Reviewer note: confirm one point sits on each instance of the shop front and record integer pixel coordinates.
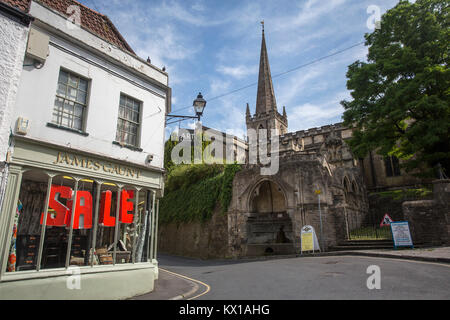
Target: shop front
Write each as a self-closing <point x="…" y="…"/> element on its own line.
<point x="77" y="226"/>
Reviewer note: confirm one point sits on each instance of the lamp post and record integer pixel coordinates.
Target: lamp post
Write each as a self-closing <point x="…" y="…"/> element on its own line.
<point x="199" y="105"/>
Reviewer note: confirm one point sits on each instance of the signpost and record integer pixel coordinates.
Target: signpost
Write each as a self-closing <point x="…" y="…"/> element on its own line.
<point x="309" y="240"/>
<point x="401" y="234"/>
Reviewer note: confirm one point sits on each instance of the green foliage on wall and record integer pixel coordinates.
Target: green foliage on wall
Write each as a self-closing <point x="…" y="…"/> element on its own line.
<point x="194" y="191"/>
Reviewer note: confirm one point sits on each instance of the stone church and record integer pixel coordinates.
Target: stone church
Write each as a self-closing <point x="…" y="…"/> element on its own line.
<point x="267" y="212"/>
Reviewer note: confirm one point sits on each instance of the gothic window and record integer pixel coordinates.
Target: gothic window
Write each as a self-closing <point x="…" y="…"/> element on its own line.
<point x="392" y="166"/>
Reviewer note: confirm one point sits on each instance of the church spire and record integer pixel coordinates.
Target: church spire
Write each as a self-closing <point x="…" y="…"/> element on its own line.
<point x="265" y="100"/>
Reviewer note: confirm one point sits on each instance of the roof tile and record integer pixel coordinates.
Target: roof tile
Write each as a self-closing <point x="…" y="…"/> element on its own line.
<point x="95" y="22"/>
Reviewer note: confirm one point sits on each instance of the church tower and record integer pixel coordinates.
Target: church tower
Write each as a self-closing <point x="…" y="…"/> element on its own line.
<point x="267" y="115"/>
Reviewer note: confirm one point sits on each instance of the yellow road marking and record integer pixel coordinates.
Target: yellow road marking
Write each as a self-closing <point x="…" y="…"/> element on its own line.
<point x="208" y="288"/>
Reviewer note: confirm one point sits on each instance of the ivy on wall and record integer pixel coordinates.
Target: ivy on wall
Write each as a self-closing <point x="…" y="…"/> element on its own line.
<point x="194" y="191"/>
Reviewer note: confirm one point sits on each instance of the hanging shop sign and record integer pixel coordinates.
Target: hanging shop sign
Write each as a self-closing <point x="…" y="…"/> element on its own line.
<point x="309" y="240"/>
<point x="401" y="234"/>
<point x="60" y="215"/>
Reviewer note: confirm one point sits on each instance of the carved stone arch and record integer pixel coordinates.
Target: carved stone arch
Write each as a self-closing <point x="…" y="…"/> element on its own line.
<point x="346" y="184"/>
<point x="262" y="182"/>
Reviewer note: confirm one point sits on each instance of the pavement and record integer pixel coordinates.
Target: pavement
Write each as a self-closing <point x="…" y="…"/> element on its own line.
<point x="174" y="286"/>
<point x="171" y="286"/>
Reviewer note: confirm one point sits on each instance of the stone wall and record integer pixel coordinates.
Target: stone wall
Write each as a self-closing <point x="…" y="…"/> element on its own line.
<point x="206" y="240"/>
<point x="429" y="219"/>
<point x="13" y="39"/>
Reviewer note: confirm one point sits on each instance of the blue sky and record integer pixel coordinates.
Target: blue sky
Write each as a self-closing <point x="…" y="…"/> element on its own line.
<point x="213" y="47"/>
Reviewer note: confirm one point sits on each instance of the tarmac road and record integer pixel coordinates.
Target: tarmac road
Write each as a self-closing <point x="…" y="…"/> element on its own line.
<point x="334" y="277"/>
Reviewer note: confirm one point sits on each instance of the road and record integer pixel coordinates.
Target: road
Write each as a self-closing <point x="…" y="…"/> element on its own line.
<point x="343" y="277"/>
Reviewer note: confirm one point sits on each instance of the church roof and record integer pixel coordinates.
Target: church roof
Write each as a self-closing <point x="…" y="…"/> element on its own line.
<point x="265" y="100"/>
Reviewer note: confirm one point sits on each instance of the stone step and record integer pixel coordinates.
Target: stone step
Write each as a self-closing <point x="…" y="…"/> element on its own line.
<point x="361" y="247"/>
<point x="365" y="242"/>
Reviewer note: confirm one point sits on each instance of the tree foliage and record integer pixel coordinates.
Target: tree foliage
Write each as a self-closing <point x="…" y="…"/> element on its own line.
<point x="401" y="94"/>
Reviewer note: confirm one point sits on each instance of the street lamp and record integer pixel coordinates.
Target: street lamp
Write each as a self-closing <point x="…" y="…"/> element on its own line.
<point x="199" y="106"/>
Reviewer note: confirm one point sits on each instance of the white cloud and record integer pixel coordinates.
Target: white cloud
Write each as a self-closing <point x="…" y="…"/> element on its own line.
<point x="311" y="115"/>
<point x="238" y="72"/>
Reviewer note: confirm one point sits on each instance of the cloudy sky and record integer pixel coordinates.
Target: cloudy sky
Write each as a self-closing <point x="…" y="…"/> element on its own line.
<point x="213" y="47"/>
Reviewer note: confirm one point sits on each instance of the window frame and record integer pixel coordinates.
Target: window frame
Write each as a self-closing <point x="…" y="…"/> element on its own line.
<point x="137" y="146"/>
<point x="85" y="106"/>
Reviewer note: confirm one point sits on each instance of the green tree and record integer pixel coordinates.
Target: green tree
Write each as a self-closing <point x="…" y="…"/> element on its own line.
<point x="401" y="94"/>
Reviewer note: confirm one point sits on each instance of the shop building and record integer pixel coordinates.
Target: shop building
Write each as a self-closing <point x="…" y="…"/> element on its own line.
<point x="85" y="161"/>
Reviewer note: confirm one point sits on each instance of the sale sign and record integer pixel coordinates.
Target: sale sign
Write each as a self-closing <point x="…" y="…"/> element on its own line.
<point x="61" y="215"/>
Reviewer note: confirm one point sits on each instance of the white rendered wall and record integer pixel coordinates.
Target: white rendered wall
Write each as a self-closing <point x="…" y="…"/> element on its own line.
<point x="13" y="38"/>
<point x="37" y="93"/>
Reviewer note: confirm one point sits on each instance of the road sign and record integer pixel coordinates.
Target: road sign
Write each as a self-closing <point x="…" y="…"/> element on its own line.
<point x="309" y="240"/>
<point x="317" y="192"/>
<point x="387" y="220"/>
<point x="401" y="234"/>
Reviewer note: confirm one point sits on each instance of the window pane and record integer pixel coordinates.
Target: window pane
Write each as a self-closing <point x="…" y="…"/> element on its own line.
<point x="103" y="250"/>
<point x="81" y="97"/>
<point x="135" y="117"/>
<point x="59" y="104"/>
<point x="136" y="106"/>
<point x="62" y="89"/>
<point x="72" y="93"/>
<point x="26" y="234"/>
<point x="142" y="228"/>
<point x="83" y="85"/>
<point x="66" y="120"/>
<point x="121" y="112"/>
<point x="79" y="110"/>
<point x="77" y="123"/>
<point x="63" y="77"/>
<point x="73" y="80"/>
<point x="134" y="129"/>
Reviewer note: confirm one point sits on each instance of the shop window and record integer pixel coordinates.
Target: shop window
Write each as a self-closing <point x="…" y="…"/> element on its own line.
<point x="392" y="166"/>
<point x="128" y="124"/>
<point x="26" y="234"/>
<point x="71" y="101"/>
<point x="109" y="225"/>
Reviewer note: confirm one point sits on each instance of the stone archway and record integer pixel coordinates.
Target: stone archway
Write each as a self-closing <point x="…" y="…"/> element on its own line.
<point x="269" y="227"/>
